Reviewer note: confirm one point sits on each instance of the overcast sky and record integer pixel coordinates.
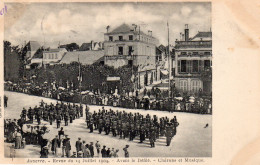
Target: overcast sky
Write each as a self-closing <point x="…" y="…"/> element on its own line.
<point x="83" y="22"/>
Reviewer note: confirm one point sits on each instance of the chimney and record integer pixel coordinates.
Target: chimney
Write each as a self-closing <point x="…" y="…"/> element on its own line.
<point x="92" y="44"/>
<point x="180" y="36"/>
<point x="186" y="32"/>
<point x="108" y="27"/>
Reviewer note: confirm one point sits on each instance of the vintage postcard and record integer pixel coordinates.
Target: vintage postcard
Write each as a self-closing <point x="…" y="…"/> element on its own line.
<point x="125" y="82"/>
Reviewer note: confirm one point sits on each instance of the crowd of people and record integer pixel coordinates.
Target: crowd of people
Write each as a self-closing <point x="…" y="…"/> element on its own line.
<point x="29" y="129"/>
<point x="150" y="100"/>
<point x="60" y="146"/>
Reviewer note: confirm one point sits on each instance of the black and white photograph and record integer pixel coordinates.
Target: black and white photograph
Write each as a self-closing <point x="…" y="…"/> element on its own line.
<point x="107" y="80"/>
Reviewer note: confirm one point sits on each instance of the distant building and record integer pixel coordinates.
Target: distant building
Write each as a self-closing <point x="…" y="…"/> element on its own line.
<point x="84" y="57"/>
<point x="53" y="56"/>
<point x="91" y="46"/>
<point x="193" y="60"/>
<point x="128" y="45"/>
<point x="31" y="48"/>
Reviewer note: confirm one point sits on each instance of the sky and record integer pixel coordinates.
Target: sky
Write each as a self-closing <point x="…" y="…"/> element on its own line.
<point x="54" y="23"/>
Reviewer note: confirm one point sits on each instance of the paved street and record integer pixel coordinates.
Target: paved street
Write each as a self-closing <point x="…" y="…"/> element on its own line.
<point x="192" y="139"/>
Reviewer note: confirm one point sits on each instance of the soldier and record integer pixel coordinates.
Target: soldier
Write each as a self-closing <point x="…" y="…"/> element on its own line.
<point x="60" y="132"/>
<point x="91" y="125"/>
<point x="168" y="134"/>
<point x="152" y="138"/>
<point x="81" y="110"/>
<point x="100" y="125"/>
<point x="51" y="113"/>
<point x="114" y="126"/>
<point x="66" y="118"/>
<point x="58" y="119"/>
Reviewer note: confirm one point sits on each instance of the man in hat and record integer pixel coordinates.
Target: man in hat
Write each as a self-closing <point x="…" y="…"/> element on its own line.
<point x="54" y="145"/>
<point x="91" y="149"/>
<point x="97" y="147"/>
<point x="104" y="152"/>
<point x="67" y="147"/>
<point x="78" y="145"/>
<point x="108" y="153"/>
<point x="126" y="151"/>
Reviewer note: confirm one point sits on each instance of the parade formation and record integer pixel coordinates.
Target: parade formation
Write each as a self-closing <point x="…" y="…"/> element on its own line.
<point x="28" y="129"/>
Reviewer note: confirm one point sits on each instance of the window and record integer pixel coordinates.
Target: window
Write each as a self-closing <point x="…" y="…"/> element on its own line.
<point x="183" y="85"/>
<point x="195" y="66"/>
<point x="130" y="37"/>
<point x="207" y="64"/>
<point x="120" y="50"/>
<point x="207" y="53"/>
<point x="195" y="53"/>
<point x="56" y="56"/>
<point x="183" y="65"/>
<point x="130" y="50"/>
<point x="49" y="56"/>
<point x="110" y="38"/>
<point x="195" y="85"/>
<point x="120" y="38"/>
<point x="183" y="53"/>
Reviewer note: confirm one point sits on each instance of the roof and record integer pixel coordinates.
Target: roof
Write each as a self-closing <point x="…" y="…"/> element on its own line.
<point x="85" y="57"/>
<point x="122" y="29"/>
<point x="203" y="35"/>
<point x="33" y="45"/>
<point x="55" y="50"/>
<point x="85" y="46"/>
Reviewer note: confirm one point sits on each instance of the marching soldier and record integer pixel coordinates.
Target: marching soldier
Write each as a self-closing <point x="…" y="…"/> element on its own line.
<point x="58" y="119"/>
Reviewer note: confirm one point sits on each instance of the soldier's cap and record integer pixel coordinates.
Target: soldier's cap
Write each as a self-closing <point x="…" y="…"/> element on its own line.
<point x="84" y="141"/>
<point x="80" y="152"/>
<point x="117" y="150"/>
<point x="79" y="138"/>
<point x="104" y="146"/>
<point x="68" y="138"/>
<point x="127" y="145"/>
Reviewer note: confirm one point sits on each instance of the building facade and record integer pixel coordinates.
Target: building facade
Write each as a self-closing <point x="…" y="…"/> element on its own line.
<point x="53" y="56"/>
<point x="128" y="45"/>
<point x="193" y="61"/>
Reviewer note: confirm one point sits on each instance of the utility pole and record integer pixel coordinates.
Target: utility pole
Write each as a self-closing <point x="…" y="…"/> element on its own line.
<point x="169" y="62"/>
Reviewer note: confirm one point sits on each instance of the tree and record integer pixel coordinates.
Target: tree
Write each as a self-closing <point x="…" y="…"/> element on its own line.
<point x="72" y="46"/>
<point x="13" y="63"/>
